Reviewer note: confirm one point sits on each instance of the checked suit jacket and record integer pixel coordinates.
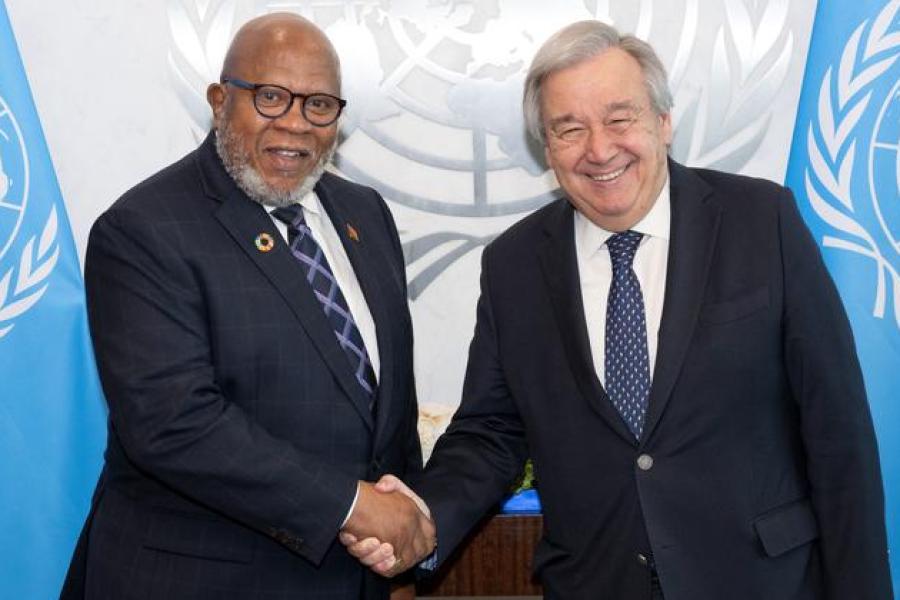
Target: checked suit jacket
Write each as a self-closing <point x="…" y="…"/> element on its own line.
<point x="237" y="431"/>
<point x="757" y="476"/>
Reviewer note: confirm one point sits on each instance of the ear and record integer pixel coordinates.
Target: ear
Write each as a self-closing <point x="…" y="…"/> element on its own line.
<point x="665" y="123"/>
<point x="215" y="96"/>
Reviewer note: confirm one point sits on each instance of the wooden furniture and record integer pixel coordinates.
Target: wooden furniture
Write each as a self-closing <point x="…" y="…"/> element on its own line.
<point x="495" y="561"/>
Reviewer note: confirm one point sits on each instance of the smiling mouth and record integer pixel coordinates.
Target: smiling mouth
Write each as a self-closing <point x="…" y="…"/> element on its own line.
<point x="290" y="154"/>
<point x="604" y="177"/>
<point x="289" y="161"/>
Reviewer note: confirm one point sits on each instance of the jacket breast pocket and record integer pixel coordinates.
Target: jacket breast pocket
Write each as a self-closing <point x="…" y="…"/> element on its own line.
<point x="188" y="535"/>
<point x="787" y="527"/>
<point x="736" y="308"/>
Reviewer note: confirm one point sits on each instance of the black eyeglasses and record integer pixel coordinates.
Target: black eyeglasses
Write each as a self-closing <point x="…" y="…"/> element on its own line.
<point x="273" y="101"/>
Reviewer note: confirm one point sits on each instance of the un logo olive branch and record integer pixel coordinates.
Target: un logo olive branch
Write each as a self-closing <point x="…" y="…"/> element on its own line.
<point x="23" y="284"/>
<point x="723" y="125"/>
<point x="201" y="32"/>
<point x="844" y="97"/>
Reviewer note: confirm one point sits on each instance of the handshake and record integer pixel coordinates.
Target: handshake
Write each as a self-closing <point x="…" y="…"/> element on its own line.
<point x="390" y="529"/>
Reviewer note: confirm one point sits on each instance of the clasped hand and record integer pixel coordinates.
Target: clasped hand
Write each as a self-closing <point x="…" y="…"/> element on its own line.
<point x="390" y="529"/>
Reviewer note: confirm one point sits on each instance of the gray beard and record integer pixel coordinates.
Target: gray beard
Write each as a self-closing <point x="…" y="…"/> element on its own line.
<point x="237" y="165"/>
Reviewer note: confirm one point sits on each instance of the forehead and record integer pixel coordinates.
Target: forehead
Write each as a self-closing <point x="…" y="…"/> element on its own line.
<point x="610" y="80"/>
<point x="302" y="65"/>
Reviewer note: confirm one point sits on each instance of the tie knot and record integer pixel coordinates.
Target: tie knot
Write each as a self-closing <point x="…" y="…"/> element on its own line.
<point x="291" y="215"/>
<point x="622" y="247"/>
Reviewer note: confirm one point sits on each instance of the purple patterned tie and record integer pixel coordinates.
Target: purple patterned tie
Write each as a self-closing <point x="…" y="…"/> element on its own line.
<point x="319" y="275"/>
<point x="627" y="363"/>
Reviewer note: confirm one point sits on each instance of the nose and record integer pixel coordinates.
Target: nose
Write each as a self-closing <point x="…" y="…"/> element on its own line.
<point x="601" y="147"/>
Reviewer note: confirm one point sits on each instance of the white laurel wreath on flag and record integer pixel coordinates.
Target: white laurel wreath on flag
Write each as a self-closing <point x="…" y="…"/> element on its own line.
<point x="35" y="265"/>
<point x="725" y="124"/>
<point x="837" y="147"/>
<point x="201" y="31"/>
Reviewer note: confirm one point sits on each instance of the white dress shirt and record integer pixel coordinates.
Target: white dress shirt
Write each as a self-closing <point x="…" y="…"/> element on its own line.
<point x="650" y="266"/>
<point x="325" y="235"/>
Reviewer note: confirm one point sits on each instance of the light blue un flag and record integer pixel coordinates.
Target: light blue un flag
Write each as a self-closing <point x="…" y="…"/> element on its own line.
<point x="51" y="409"/>
<point x="845" y="170"/>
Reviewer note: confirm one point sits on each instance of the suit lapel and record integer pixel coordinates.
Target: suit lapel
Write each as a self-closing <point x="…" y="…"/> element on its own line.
<point x="369" y="266"/>
<point x="560" y="268"/>
<point x="694" y="230"/>
<point x="244" y="220"/>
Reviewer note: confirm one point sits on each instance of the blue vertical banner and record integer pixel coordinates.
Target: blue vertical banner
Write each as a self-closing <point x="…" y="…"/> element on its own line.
<point x="52" y="417"/>
<point x="845" y="170"/>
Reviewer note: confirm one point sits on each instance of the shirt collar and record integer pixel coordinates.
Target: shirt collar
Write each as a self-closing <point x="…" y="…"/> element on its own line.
<point x="590" y="237"/>
<point x="309" y="202"/>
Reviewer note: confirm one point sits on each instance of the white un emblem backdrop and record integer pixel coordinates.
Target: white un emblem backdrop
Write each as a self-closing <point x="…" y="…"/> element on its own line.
<point x="855" y="136"/>
<point x="435" y="121"/>
<point x="23" y="269"/>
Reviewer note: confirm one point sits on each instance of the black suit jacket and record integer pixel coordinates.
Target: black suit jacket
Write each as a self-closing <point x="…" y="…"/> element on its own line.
<point x="764" y="482"/>
<point x="237" y="430"/>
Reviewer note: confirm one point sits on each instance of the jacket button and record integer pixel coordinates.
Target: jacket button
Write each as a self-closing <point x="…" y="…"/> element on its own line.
<point x="645" y="462"/>
<point x="642" y="559"/>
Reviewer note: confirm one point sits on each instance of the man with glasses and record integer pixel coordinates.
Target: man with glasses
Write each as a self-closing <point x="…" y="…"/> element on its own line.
<point x="250" y="322"/>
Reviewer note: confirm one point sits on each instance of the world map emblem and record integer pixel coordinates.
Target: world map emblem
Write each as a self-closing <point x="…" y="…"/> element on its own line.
<point x="435" y="121"/>
<point x="13" y="177"/>
<point x="24" y="267"/>
<point x="853" y="178"/>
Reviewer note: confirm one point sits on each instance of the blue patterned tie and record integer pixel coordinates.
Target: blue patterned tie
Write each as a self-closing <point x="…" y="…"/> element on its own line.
<point x="627" y="364"/>
<point x="320" y="277"/>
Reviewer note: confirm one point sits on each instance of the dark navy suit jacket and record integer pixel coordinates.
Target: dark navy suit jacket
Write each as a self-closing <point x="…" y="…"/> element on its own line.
<point x="237" y="430"/>
<point x="757" y="476"/>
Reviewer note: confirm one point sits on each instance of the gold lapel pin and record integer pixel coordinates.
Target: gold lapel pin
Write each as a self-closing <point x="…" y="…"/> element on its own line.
<point x="352" y="233"/>
<point x="264" y="242"/>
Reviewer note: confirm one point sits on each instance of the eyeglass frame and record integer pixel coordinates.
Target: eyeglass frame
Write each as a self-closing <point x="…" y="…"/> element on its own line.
<point x="255" y="87"/>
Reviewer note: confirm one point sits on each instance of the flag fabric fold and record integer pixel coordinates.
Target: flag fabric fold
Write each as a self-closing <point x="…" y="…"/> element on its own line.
<point x="52" y="417"/>
<point x="845" y="170"/>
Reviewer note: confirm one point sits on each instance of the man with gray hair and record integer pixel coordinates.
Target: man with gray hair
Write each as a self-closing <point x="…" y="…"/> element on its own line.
<point x="666" y="345"/>
<point x="249" y="316"/>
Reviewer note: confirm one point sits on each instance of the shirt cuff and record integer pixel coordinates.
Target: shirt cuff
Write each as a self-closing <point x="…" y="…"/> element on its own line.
<point x="352" y="506"/>
<point x="430" y="563"/>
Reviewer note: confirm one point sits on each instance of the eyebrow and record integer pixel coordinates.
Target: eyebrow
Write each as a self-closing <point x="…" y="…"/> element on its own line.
<point x="567" y="118"/>
<point x="622" y="105"/>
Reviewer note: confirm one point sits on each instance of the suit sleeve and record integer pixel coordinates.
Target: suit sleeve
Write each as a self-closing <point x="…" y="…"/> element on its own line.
<point x="484" y="448"/>
<point x="839" y="439"/>
<point x="153" y="350"/>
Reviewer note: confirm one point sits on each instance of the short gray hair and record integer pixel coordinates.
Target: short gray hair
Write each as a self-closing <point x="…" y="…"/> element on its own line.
<point x="579" y="42"/>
